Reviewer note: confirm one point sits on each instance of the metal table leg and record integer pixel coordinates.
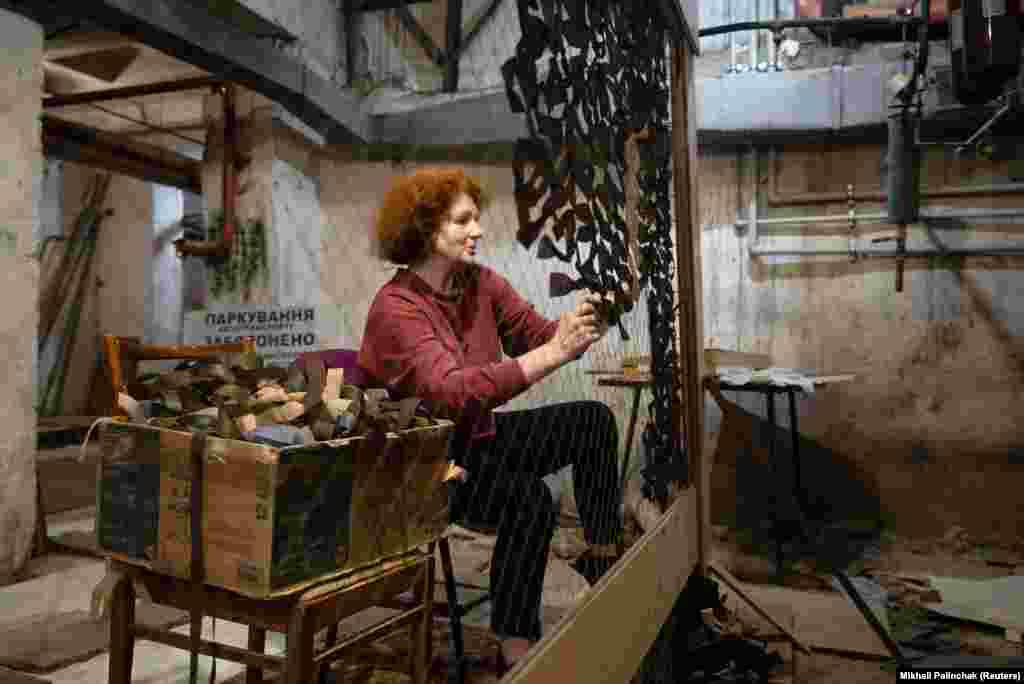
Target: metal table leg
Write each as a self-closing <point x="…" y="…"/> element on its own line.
<point x="770" y="408"/>
<point x="638" y="391"/>
<point x="799" y="494"/>
<point x="802" y="506"/>
<point x="798" y="490"/>
<point x="870" y="617"/>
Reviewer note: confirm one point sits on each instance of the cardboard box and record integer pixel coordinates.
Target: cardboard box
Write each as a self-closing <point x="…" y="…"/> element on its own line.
<point x="273" y="519"/>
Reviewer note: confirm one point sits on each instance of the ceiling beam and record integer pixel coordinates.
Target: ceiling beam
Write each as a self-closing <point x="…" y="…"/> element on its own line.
<point x="191" y="34"/>
<point x="88" y="146"/>
<point x="482" y="118"/>
<point x="130" y="91"/>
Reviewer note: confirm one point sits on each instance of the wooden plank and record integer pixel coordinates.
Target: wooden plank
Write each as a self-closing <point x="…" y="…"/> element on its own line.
<point x="634" y="599"/>
<point x="728" y="357"/>
<point x="210" y="648"/>
<point x="998" y="602"/>
<point x="689" y="290"/>
<point x="737" y="587"/>
<point x="49" y="424"/>
<point x="453" y="46"/>
<point x="623" y="380"/>
<point x="118" y="154"/>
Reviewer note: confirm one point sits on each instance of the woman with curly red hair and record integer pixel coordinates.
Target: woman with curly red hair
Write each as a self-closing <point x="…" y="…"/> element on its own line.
<point x="437" y="330"/>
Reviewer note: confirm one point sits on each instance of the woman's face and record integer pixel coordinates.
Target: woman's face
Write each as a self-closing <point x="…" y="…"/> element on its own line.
<point x="456" y="240"/>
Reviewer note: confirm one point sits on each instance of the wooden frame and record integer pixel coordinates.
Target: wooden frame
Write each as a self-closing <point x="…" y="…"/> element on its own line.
<point x="124" y="353"/>
<point x="637" y="596"/>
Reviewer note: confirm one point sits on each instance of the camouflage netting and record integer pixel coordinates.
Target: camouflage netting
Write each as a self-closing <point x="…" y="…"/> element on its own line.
<point x="588" y="76"/>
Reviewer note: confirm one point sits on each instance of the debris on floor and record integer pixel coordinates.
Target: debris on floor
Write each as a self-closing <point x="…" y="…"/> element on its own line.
<point x="48" y="642"/>
<point x="997" y="602"/>
<point x="826" y="622"/>
<point x="12" y="677"/>
<point x="873" y="594"/>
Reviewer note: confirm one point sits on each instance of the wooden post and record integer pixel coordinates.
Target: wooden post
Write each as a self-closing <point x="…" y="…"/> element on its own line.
<point x="257" y="643"/>
<point x="422" y="628"/>
<point x="349" y="15"/>
<point x="689" y="290"/>
<point x="453" y="46"/>
<point x="299" y="660"/>
<point x="122" y="638"/>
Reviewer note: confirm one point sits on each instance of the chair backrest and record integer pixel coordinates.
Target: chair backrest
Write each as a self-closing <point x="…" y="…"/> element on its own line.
<point x="348" y="359"/>
<point x="124" y="353"/>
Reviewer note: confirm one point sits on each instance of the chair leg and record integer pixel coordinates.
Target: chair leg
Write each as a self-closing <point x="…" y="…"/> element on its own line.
<point x="298" y="667"/>
<point x="422" y="630"/>
<point x="257" y="644"/>
<point x="122" y="638"/>
<point x="331" y="640"/>
<point x="454" y="610"/>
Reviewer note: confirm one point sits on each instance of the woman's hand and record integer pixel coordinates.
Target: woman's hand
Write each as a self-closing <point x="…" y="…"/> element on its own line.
<point x="580" y="328"/>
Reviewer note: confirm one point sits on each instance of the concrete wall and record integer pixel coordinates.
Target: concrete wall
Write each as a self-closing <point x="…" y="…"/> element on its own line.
<point x="933" y="421"/>
<point x="21" y="165"/>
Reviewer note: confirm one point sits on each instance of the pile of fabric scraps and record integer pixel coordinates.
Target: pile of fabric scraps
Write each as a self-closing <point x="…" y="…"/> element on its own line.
<point x="237" y="397"/>
<point x="779" y="377"/>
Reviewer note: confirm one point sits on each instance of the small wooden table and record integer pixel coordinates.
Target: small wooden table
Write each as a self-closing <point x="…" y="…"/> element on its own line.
<point x="770" y="391"/>
<point x="636" y="382"/>
<point x="302" y="613"/>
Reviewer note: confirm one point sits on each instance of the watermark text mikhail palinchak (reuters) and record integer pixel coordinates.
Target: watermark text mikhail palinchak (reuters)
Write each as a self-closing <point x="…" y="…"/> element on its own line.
<point x="1014" y="675"/>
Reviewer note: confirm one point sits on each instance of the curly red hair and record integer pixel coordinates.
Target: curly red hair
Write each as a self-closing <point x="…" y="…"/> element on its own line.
<point x="414" y="208"/>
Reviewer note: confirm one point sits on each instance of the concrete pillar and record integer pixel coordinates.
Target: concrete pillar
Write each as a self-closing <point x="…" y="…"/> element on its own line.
<point x="165" y="288"/>
<point x="21" y="76"/>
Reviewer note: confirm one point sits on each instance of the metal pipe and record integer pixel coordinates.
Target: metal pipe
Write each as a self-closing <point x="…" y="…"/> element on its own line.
<point x="733" y="47"/>
<point x="982" y="249"/>
<point x="984" y="127"/>
<point x="922" y="49"/>
<point x="808" y="23"/>
<point x="883" y="218"/>
<point x="754" y="190"/>
<point x="229" y="181"/>
<point x="131" y="91"/>
<point x="755" y="36"/>
<point x="831" y="218"/>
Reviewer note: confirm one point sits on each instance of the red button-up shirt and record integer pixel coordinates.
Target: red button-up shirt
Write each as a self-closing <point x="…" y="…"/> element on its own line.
<point x="448" y="349"/>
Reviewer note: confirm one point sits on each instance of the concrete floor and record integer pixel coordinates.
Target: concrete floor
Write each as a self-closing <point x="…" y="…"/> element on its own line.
<point x="60" y="583"/>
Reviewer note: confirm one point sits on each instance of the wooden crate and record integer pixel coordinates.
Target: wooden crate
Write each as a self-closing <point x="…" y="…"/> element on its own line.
<point x="273" y="519"/>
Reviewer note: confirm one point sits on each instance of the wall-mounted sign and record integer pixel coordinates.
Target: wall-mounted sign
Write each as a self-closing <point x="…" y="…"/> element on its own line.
<point x="281" y="332"/>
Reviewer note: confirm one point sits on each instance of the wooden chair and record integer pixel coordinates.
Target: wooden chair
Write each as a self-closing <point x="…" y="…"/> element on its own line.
<point x="451" y="609"/>
<point x="301" y="613"/>
<point x="124" y="353"/>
